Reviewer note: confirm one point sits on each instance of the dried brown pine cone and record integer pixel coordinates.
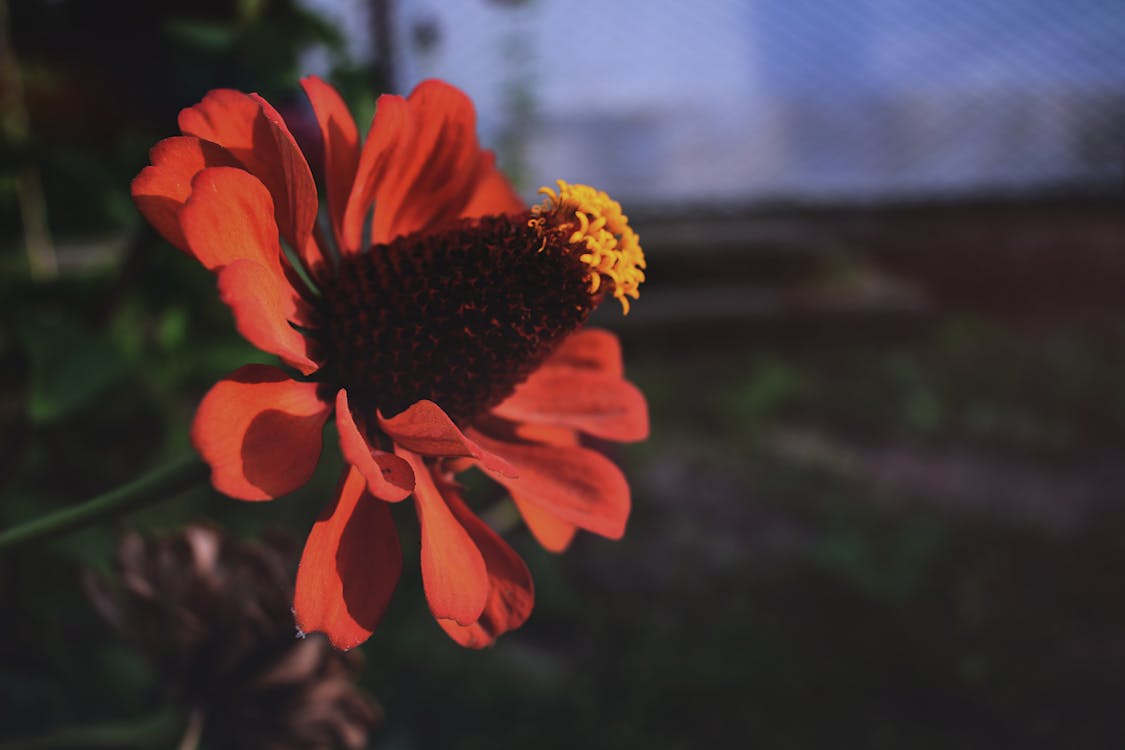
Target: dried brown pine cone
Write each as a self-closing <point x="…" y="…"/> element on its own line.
<point x="213" y="616"/>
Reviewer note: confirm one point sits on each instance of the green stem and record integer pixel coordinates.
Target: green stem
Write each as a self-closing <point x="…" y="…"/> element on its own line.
<point x="192" y="733"/>
<point x="502" y="516"/>
<point x="157" y="485"/>
<point x="155" y="731"/>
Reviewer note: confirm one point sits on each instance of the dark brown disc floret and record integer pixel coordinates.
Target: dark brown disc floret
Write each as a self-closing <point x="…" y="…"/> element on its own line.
<point x="459" y="317"/>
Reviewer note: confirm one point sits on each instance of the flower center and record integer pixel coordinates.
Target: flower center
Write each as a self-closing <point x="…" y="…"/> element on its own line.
<point x="462" y="316"/>
<point x="613" y="249"/>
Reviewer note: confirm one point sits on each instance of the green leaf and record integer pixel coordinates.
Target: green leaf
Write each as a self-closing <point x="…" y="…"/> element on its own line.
<point x="70" y="366"/>
<point x="203" y="36"/>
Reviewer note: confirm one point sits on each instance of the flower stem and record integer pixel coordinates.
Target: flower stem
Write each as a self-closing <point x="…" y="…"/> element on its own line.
<point x="192" y="733"/>
<point x="157" y="485"/>
<point x="502" y="516"/>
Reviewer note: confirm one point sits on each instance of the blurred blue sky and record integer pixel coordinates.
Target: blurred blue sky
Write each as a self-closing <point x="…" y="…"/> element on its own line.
<point x="735" y="100"/>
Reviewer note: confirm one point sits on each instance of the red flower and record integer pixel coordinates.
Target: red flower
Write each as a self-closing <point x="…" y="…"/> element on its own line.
<point x="447" y="337"/>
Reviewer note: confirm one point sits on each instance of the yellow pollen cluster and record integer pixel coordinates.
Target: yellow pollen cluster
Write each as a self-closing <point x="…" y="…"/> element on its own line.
<point x="612" y="247"/>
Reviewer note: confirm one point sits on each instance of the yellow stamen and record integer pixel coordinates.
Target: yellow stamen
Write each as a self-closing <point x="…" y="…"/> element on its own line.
<point x="612" y="247"/>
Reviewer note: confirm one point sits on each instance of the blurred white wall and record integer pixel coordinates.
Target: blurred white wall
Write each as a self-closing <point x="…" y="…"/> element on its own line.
<point x="732" y="100"/>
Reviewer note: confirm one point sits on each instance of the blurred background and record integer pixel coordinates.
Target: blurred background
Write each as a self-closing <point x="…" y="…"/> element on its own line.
<point x="883" y="342"/>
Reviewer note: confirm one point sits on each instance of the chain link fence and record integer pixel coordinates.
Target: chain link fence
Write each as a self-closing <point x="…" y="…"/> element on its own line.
<point x="735" y="101"/>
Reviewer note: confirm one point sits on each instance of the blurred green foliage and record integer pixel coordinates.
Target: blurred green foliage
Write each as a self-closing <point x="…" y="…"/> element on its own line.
<point x="108" y="336"/>
<point x="97" y="84"/>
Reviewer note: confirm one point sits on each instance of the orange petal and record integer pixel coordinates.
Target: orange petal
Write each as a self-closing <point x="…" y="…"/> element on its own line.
<point x="590" y="349"/>
<point x="341" y="147"/>
<point x="260" y="432"/>
<point x="388" y="476"/>
<point x="420" y="165"/>
<point x="493" y="194"/>
<point x="255" y="134"/>
<point x="536" y="432"/>
<point x="229" y="217"/>
<point x="263" y="307"/>
<point x="160" y="189"/>
<point x="453" y="570"/>
<point x="548" y="529"/>
<point x="431" y="176"/>
<point x="350" y="566"/>
<point x="605" y="407"/>
<point x="575" y="484"/>
<point x="425" y="428"/>
<point x="511" y="595"/>
<point x="389" y="129"/>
